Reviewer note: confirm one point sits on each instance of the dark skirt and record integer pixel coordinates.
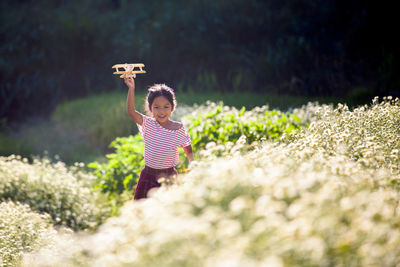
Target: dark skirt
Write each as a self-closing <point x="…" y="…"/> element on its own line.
<point x="149" y="179"/>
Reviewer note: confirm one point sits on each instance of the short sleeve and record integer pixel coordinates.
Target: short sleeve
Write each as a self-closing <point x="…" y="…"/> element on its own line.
<point x="185" y="138"/>
<point x="142" y="128"/>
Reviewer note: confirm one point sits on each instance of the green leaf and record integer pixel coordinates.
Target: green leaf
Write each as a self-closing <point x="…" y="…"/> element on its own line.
<point x="242" y="111"/>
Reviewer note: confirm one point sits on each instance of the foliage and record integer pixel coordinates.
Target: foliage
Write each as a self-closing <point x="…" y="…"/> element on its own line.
<point x="10" y="145"/>
<point x="62" y="192"/>
<point x="57" y="50"/>
<point x="249" y="100"/>
<point x="222" y="124"/>
<point x="305" y="201"/>
<point x="21" y="231"/>
<point x="120" y="173"/>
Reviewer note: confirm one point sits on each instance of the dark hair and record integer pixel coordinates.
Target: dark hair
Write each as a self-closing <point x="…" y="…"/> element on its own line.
<point x="160" y="90"/>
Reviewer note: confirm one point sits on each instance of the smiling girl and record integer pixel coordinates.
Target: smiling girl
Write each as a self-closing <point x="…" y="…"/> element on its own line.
<point x="161" y="136"/>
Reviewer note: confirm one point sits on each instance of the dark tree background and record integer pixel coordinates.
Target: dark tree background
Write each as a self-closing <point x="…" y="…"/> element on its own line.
<point x="51" y="51"/>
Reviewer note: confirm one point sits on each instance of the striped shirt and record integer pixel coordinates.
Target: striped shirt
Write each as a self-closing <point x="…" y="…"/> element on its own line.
<point x="161" y="144"/>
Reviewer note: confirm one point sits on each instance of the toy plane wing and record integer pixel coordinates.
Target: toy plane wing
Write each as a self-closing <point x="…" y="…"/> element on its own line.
<point x="128" y="70"/>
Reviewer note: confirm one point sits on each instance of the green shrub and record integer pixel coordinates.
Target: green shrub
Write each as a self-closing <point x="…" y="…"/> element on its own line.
<point x="120" y="173"/>
<point x="222" y="124"/>
<point x="21" y="231"/>
<point x="63" y="192"/>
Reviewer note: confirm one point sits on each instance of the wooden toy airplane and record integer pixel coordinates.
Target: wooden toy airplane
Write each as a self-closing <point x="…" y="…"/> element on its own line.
<point x="129" y="69"/>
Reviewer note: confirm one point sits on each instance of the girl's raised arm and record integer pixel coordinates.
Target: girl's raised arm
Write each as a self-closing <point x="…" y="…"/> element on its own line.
<point x="130" y="102"/>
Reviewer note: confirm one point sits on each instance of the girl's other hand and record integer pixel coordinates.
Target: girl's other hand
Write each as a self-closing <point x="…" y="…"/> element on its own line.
<point x="130" y="82"/>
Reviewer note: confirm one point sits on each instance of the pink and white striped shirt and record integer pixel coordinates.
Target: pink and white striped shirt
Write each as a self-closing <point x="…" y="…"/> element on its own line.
<point x="161" y="144"/>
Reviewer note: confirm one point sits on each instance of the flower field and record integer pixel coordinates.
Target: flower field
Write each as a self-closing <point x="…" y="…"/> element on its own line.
<point x="323" y="195"/>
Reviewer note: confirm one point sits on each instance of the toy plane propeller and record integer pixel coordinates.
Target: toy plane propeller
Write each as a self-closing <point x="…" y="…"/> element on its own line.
<point x="129" y="70"/>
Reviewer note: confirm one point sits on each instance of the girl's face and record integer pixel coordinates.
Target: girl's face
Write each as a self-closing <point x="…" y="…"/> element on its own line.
<point x="161" y="109"/>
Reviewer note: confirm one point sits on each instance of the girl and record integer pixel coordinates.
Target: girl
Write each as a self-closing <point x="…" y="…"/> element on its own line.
<point x="161" y="136"/>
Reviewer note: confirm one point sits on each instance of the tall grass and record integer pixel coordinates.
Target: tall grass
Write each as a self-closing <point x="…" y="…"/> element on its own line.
<point x="102" y="117"/>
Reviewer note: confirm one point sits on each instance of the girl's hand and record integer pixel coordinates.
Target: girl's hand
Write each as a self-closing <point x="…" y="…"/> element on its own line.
<point x="130" y="82"/>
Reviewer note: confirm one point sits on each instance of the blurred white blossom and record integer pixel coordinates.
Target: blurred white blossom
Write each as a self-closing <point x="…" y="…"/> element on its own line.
<point x="324" y="196"/>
